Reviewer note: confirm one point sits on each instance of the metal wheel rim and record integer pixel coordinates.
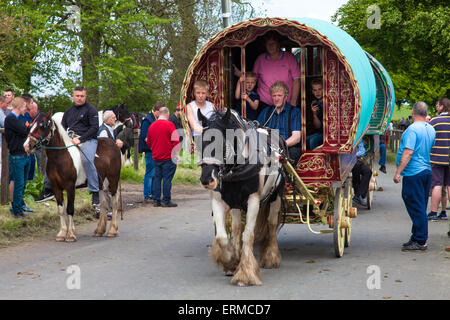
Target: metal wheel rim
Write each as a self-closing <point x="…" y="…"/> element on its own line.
<point x="339" y="233"/>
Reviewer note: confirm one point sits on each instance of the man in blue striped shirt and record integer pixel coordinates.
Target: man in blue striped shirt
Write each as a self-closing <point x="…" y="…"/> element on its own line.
<point x="439" y="158"/>
<point x="285" y="118"/>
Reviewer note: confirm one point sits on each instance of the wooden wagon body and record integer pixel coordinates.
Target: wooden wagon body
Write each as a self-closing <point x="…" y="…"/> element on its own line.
<point x="379" y="121"/>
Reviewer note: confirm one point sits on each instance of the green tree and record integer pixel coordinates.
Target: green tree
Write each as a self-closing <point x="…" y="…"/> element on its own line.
<point x="192" y="23"/>
<point x="103" y="36"/>
<point x="16" y="60"/>
<point x="412" y="42"/>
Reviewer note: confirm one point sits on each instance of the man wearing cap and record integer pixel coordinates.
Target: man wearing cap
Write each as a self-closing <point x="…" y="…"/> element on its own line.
<point x="175" y="117"/>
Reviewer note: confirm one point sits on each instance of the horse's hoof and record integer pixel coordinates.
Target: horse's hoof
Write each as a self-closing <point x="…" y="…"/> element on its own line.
<point x="229" y="273"/>
<point x="97" y="234"/>
<point x="112" y="234"/>
<point x="241" y="284"/>
<point x="71" y="239"/>
<point x="60" y="239"/>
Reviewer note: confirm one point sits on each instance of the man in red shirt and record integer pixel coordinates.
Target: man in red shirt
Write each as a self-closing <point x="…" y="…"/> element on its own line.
<point x="164" y="141"/>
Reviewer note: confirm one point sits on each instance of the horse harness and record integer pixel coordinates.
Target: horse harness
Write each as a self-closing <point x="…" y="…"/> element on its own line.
<point x="241" y="172"/>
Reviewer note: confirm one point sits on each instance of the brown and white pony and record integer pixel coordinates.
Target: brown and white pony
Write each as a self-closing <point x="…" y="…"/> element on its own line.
<point x="65" y="172"/>
<point x="239" y="181"/>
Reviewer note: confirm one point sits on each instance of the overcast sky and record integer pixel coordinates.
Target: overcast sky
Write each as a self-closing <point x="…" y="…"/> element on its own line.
<point x="319" y="9"/>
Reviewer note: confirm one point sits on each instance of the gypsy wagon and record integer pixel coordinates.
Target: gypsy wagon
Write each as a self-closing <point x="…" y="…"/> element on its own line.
<point x="319" y="190"/>
<point x="380" y="119"/>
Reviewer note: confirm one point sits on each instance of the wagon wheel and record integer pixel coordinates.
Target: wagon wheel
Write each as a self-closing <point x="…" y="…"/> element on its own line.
<point x="338" y="213"/>
<point x="370" y="191"/>
<point x="348" y="198"/>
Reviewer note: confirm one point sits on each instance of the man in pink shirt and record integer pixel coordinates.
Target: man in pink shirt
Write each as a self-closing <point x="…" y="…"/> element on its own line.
<point x="164" y="142"/>
<point x="276" y="65"/>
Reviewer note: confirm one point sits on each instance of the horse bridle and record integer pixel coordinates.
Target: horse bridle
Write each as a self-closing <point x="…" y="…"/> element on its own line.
<point x="39" y="139"/>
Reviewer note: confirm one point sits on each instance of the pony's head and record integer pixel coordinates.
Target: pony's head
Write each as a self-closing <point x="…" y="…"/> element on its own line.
<point x="40" y="133"/>
<point x="123" y="115"/>
<point x="218" y="145"/>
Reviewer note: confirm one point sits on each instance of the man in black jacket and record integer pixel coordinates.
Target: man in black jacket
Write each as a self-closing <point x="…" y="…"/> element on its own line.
<point x="81" y="119"/>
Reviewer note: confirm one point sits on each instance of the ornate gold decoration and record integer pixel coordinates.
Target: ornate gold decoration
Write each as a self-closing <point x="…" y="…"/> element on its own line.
<point x="316" y="164"/>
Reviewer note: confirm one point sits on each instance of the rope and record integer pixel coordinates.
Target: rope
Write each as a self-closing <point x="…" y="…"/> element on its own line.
<point x="120" y="199"/>
<point x="57" y="148"/>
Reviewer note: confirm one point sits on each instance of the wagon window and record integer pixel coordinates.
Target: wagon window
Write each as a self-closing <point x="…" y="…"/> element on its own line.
<point x="313" y="73"/>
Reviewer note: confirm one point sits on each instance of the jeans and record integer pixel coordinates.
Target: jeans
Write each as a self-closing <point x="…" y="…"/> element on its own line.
<point x="148" y="178"/>
<point x="164" y="171"/>
<point x="314" y="140"/>
<point x="88" y="150"/>
<point x="382" y="161"/>
<point x="415" y="191"/>
<point x="19" y="166"/>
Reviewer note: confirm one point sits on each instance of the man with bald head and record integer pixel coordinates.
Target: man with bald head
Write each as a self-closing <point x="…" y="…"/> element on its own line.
<point x="413" y="163"/>
<point x="164" y="142"/>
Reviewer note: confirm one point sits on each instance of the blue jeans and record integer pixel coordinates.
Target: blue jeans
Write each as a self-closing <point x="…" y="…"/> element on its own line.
<point x="148" y="178"/>
<point x="382" y="161"/>
<point x="89" y="148"/>
<point x="19" y="167"/>
<point x="415" y="192"/>
<point x="164" y="171"/>
<point x="314" y="140"/>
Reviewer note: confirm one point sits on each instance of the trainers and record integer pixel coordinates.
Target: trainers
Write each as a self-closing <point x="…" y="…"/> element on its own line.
<point x="407" y="243"/>
<point x="414" y="246"/>
<point x="157" y="203"/>
<point x="362" y="201"/>
<point x="27" y="208"/>
<point x="169" y="204"/>
<point x="442" y="216"/>
<point x="356" y="199"/>
<point x="95" y="199"/>
<point x="383" y="169"/>
<point x="432" y="216"/>
<point x="148" y="199"/>
<point x="47" y="194"/>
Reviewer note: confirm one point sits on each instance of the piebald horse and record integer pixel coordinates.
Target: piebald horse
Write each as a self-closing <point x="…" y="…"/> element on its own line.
<point x="65" y="172"/>
<point x="237" y="181"/>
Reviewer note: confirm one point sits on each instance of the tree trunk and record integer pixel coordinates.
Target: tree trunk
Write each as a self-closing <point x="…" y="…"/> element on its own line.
<point x="91" y="38"/>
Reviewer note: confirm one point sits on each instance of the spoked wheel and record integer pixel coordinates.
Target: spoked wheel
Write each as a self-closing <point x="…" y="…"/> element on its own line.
<point x="338" y="213"/>
<point x="371" y="189"/>
<point x="348" y="211"/>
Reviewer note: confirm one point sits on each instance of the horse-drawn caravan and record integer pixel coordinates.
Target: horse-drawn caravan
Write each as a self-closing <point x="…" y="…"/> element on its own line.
<point x="318" y="189"/>
<point x="379" y="121"/>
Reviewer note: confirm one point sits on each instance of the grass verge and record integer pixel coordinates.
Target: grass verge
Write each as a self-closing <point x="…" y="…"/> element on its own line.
<point x="45" y="221"/>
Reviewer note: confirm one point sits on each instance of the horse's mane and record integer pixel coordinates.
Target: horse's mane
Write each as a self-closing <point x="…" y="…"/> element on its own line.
<point x="57" y="119"/>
